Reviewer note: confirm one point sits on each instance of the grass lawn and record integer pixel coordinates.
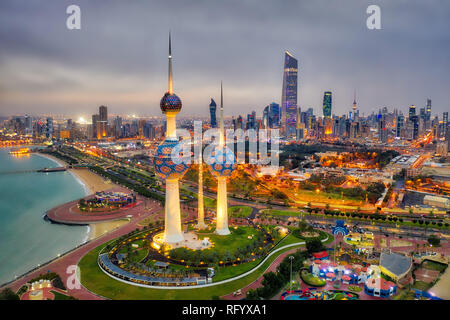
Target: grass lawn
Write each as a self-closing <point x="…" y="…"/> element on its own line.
<point x="98" y="282"/>
<point x="274" y="212"/>
<point x="239" y="211"/>
<point x="208" y="202"/>
<point x="223" y="273"/>
<point x="420" y="285"/>
<point x="60" y="296"/>
<point x="237" y="238"/>
<point x="405" y="294"/>
<point x="432" y="265"/>
<point x="311" y="279"/>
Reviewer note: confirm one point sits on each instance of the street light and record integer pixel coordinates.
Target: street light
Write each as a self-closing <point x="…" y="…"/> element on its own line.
<point x="291" y="258"/>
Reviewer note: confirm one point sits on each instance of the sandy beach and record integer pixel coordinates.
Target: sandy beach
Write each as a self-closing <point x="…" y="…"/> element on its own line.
<point x="92" y="182"/>
<point x="101" y="228"/>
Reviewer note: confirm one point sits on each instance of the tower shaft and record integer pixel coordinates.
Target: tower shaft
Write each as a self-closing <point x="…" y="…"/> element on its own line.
<point x="222" y="207"/>
<point x="201" y="209"/>
<point x="172" y="225"/>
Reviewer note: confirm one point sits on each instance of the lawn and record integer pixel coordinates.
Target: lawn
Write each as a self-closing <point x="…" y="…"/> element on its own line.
<point x="60" y="296"/>
<point x="208" y="202"/>
<point x="96" y="281"/>
<point x="239" y="211"/>
<point x="420" y="285"/>
<point x="311" y="279"/>
<point x="223" y="273"/>
<point x="237" y="238"/>
<point x="432" y="265"/>
<point x="274" y="212"/>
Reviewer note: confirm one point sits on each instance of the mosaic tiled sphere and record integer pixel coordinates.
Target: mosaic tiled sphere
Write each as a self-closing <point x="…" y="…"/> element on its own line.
<point x="170" y="103"/>
<point x="169" y="166"/>
<point x="221" y="162"/>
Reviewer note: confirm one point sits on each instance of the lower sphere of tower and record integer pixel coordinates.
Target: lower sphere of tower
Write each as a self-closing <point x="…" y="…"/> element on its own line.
<point x="168" y="161"/>
<point x="221" y="162"/>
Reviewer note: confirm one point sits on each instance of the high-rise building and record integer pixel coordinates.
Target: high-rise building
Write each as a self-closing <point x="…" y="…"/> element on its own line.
<point x="265" y="120"/>
<point x="49" y="128"/>
<point x="327" y="104"/>
<point x="102" y="123"/>
<point x="399" y="125"/>
<point x="212" y="111"/>
<point x="428" y="112"/>
<point x="382" y="130"/>
<point x="412" y="111"/>
<point x="274" y="115"/>
<point x="117" y="127"/>
<point x="95" y="119"/>
<point x="289" y="95"/>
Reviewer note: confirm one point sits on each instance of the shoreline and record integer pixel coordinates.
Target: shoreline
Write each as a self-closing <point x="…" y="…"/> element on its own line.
<point x="62" y="163"/>
<point x="91" y="183"/>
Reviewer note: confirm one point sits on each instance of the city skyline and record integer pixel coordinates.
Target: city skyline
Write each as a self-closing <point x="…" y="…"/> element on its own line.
<point x="50" y="69"/>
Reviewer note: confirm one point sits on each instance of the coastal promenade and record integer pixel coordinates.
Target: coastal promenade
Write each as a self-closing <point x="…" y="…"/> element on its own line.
<point x="61" y="264"/>
<point x="70" y="214"/>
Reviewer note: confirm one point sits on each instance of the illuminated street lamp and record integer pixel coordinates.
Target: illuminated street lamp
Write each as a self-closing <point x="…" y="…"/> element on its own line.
<point x="291" y="258"/>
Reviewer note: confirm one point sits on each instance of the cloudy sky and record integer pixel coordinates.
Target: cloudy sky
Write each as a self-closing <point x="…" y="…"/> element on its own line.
<point x="119" y="57"/>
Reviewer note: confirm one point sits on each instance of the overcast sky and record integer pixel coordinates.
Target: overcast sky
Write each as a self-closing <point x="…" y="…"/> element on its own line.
<point x="119" y="57"/>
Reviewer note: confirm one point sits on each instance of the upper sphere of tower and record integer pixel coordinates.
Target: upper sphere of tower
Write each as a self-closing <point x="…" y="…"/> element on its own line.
<point x="170" y="103"/>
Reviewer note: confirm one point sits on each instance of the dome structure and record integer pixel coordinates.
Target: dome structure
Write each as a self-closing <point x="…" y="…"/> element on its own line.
<point x="221" y="162"/>
<point x="170" y="102"/>
<point x="168" y="160"/>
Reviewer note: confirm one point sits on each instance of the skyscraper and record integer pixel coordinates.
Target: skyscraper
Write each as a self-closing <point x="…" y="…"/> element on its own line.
<point x="95" y="119"/>
<point x="412" y="111"/>
<point x="274" y="115"/>
<point x="49" y="128"/>
<point x="428" y="112"/>
<point x="265" y="120"/>
<point x="399" y="125"/>
<point x="212" y="110"/>
<point x="327" y="104"/>
<point x="102" y="124"/>
<point x="289" y="95"/>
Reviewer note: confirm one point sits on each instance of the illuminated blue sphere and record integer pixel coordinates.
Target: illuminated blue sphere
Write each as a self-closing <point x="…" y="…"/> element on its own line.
<point x="169" y="166"/>
<point x="221" y="162"/>
<point x="170" y="103"/>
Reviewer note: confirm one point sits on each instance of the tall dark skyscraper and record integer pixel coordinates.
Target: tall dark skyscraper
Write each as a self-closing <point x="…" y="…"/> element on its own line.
<point x="412" y="111"/>
<point x="274" y="115"/>
<point x="102" y="123"/>
<point x="95" y="119"/>
<point x="399" y="125"/>
<point x="327" y="104"/>
<point x="212" y="111"/>
<point x="49" y="128"/>
<point x="289" y="95"/>
<point x="428" y="112"/>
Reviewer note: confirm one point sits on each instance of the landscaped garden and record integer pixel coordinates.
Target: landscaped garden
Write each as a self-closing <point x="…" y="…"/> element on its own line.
<point x="98" y="282"/>
<point x="239" y="211"/>
<point x="311" y="279"/>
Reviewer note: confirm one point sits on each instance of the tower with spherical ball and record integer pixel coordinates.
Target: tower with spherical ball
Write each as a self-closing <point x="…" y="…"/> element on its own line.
<point x="221" y="162"/>
<point x="169" y="162"/>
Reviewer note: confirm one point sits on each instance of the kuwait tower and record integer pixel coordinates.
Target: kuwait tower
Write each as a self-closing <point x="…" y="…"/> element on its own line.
<point x="169" y="162"/>
<point x="221" y="163"/>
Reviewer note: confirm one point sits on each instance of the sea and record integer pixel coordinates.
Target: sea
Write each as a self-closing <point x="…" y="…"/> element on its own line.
<point x="26" y="239"/>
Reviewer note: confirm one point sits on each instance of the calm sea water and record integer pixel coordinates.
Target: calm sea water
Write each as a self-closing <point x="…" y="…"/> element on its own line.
<point x="26" y="240"/>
